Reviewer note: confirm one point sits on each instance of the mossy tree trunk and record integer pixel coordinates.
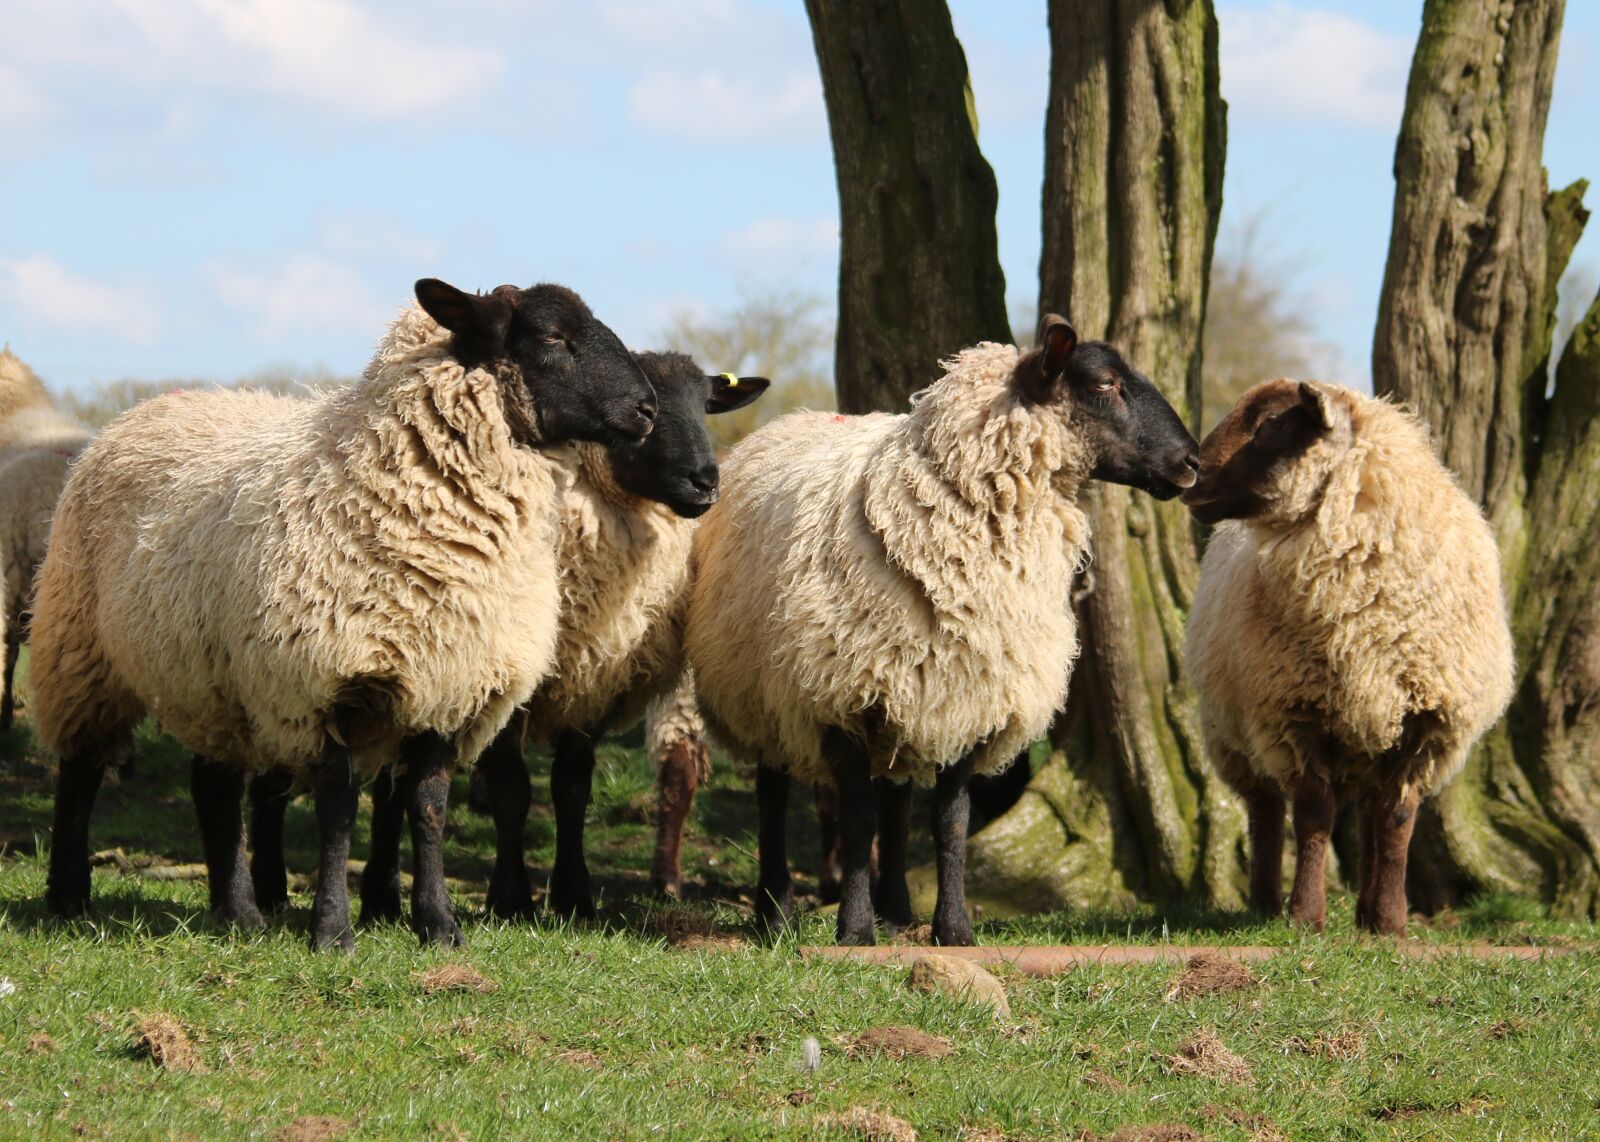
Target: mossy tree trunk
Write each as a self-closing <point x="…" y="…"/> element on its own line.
<point x="919" y="266"/>
<point x="1125" y="806"/>
<point x="1464" y="336"/>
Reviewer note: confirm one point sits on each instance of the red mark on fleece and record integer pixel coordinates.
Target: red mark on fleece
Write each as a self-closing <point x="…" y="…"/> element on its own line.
<point x="839" y="416"/>
<point x="67" y="452"/>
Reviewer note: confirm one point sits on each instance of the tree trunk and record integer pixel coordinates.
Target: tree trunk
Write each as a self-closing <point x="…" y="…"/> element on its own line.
<point x="1464" y="337"/>
<point x="919" y="267"/>
<point x="1134" y="143"/>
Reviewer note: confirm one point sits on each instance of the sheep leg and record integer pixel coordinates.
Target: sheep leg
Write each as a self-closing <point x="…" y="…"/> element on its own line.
<point x="380" y="879"/>
<point x="675" y="789"/>
<point x="829" y="873"/>
<point x="1367" y="848"/>
<point x="1394" y="816"/>
<point x="571" y="780"/>
<point x="427" y="760"/>
<point x="858" y="822"/>
<point x="218" y="792"/>
<point x="1265" y="807"/>
<point x="77" y="782"/>
<point x="774" y="890"/>
<point x="508" y="792"/>
<point x="952" y="811"/>
<point x="338" y="795"/>
<point x="1313" y="824"/>
<point x="8" y="701"/>
<point x="893" y="898"/>
<point x="269" y="801"/>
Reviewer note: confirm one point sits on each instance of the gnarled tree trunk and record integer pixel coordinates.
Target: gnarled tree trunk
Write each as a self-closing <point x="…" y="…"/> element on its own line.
<point x="919" y="267"/>
<point x="1134" y="143"/>
<point x="1464" y="337"/>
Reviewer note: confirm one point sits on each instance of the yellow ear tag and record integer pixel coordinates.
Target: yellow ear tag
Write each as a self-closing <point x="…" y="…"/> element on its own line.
<point x="733" y="381"/>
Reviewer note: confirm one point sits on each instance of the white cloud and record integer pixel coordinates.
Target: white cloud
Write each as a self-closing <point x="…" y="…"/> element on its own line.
<point x="302" y="293"/>
<point x="778" y="237"/>
<point x="711" y="106"/>
<point x="1287" y="63"/>
<point x="376" y="238"/>
<point x="41" y="291"/>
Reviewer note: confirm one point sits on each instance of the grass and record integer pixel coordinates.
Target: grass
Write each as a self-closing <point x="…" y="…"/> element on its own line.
<point x="665" y="1019"/>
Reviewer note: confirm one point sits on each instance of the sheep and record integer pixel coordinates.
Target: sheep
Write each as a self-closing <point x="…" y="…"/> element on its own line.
<point x="324" y="584"/>
<point x="38" y="442"/>
<point x="624" y="563"/>
<point x="889" y="595"/>
<point x="1348" y="637"/>
<point x="674" y="735"/>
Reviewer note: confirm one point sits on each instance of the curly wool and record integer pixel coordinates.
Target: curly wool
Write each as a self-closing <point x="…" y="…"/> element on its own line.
<point x="38" y="443"/>
<point x="241" y="565"/>
<point x="624" y="565"/>
<point x="673" y="718"/>
<point x="1369" y="595"/>
<point x="905" y="578"/>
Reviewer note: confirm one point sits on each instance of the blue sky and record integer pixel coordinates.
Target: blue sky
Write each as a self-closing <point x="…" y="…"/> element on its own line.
<point x="209" y="188"/>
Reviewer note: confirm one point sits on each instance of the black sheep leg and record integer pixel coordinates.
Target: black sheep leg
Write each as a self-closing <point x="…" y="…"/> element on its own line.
<point x="571" y="780"/>
<point x="269" y="801"/>
<point x="8" y="699"/>
<point x="952" y="809"/>
<point x="380" y="879"/>
<point x="77" y="782"/>
<point x="858" y="822"/>
<point x="218" y="792"/>
<point x="338" y="795"/>
<point x="894" y="833"/>
<point x="427" y="760"/>
<point x="502" y="774"/>
<point x="775" y="889"/>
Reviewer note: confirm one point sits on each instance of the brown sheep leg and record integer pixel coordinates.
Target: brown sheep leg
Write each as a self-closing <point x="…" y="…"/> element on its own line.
<point x="427" y="761"/>
<point x="338" y="796"/>
<point x="829" y="872"/>
<point x="1313" y="823"/>
<point x="269" y="801"/>
<point x="675" y="789"/>
<point x="858" y="822"/>
<point x="775" y="890"/>
<point x="502" y="776"/>
<point x="1265" y="806"/>
<point x="952" y="811"/>
<point x="891" y="896"/>
<point x="1394" y="816"/>
<point x="218" y="792"/>
<point x="380" y="879"/>
<point x="571" y="782"/>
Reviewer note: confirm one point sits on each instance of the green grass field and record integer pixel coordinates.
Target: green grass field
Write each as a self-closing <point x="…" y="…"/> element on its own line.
<point x="668" y="1020"/>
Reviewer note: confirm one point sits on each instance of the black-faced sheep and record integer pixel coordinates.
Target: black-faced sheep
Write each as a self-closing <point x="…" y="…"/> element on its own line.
<point x="889" y="596"/>
<point x="325" y="584"/>
<point x="38" y="443"/>
<point x="1348" y="636"/>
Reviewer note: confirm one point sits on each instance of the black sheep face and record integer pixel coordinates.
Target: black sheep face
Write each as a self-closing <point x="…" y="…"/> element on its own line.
<point x="1135" y="436"/>
<point x="567" y="376"/>
<point x="675" y="465"/>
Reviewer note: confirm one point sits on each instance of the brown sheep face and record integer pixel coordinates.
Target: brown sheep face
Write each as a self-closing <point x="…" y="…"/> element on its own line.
<point x="1243" y="459"/>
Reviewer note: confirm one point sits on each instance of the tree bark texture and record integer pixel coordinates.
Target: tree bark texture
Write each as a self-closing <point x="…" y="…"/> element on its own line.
<point x="1135" y="137"/>
<point x="919" y="265"/>
<point x="1464" y="337"/>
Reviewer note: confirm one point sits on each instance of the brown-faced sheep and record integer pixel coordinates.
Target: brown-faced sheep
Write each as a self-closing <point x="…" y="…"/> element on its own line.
<point x="889" y="596"/>
<point x="323" y="584"/>
<point x="38" y="443"/>
<point x="1348" y="636"/>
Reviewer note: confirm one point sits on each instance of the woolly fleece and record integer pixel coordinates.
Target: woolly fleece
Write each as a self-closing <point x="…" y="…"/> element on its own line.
<point x="675" y="717"/>
<point x="1368" y="592"/>
<point x="240" y="564"/>
<point x="905" y="578"/>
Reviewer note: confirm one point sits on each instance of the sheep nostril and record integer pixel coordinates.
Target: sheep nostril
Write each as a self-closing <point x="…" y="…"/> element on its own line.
<point x="647" y="409"/>
<point x="704" y="480"/>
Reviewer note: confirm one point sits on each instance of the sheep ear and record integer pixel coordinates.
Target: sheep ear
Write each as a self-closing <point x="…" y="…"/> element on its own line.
<point x="1057" y="340"/>
<point x="729" y="392"/>
<point x="1315" y="402"/>
<point x="479" y="321"/>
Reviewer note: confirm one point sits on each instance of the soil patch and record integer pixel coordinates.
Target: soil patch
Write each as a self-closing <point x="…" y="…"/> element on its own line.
<point x="314" y="1128"/>
<point x="162" y="1039"/>
<point x="455" y="977"/>
<point x="1205" y="1055"/>
<point x="1210" y="974"/>
<point x="873" y="1125"/>
<point x="899" y="1043"/>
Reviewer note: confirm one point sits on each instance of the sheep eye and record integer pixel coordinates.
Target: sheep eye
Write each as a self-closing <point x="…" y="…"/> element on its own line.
<point x="1105" y="384"/>
<point x="554" y="339"/>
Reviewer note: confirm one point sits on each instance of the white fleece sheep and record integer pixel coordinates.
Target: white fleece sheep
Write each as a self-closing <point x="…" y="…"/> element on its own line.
<point x="38" y="443"/>
<point x="904" y="578"/>
<point x="240" y="564"/>
<point x="1348" y="634"/>
<point x="672" y="720"/>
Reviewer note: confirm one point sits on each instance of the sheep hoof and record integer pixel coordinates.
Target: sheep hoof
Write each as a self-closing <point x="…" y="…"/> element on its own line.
<point x="508" y="905"/>
<point x="576" y="905"/>
<point x="953" y="933"/>
<point x="241" y="918"/>
<point x="441" y="935"/>
<point x="774" y="911"/>
<point x="381" y="907"/>
<point x="336" y="941"/>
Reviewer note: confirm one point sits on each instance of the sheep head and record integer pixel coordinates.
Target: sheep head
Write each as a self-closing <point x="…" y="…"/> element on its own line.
<point x="1135" y="436"/>
<point x="1243" y="459"/>
<point x="565" y="374"/>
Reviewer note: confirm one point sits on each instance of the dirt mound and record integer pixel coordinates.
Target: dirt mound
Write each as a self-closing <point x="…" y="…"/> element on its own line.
<point x="1206" y="1056"/>
<point x="1341" y="1045"/>
<point x="314" y="1128"/>
<point x="899" y="1043"/>
<point x="162" y="1039"/>
<point x="1210" y="974"/>
<point x="455" y="977"/>
<point x="873" y="1125"/>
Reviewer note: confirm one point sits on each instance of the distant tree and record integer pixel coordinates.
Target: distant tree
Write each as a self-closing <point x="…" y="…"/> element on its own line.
<point x="1258" y="326"/>
<point x="104" y="402"/>
<point x="784" y="336"/>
